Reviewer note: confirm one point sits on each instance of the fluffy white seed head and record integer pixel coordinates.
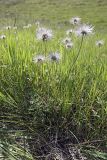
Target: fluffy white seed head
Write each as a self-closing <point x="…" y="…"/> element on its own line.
<point x="3" y="37"/>
<point x="84" y="30"/>
<point x="44" y="34"/>
<point x="75" y="20"/>
<point x="37" y="23"/>
<point x="69" y="32"/>
<point x="39" y="58"/>
<point x="8" y="27"/>
<point x="69" y="45"/>
<point x="100" y="43"/>
<point x="66" y="40"/>
<point x="54" y="56"/>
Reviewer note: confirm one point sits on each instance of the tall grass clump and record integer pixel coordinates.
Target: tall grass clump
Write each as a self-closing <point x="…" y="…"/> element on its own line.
<point x="53" y="93"/>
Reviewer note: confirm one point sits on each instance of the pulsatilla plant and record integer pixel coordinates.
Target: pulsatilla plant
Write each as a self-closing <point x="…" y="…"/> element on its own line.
<point x="53" y="102"/>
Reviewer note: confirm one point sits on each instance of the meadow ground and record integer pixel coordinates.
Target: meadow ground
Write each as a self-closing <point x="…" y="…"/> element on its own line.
<point x="53" y="83"/>
<point x="56" y="11"/>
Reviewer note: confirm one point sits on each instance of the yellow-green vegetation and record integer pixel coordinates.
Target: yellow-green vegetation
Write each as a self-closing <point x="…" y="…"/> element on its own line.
<point x="52" y="106"/>
<point x="53" y="11"/>
<point x="53" y="83"/>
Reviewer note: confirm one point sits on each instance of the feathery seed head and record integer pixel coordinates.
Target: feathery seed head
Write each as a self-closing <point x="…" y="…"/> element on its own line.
<point x="44" y="34"/>
<point x="8" y="27"/>
<point x="84" y="30"/>
<point x="66" y="40"/>
<point x="54" y="56"/>
<point x="39" y="58"/>
<point x="69" y="45"/>
<point x="75" y="20"/>
<point x="37" y="23"/>
<point x="69" y="32"/>
<point x="100" y="43"/>
<point x="2" y="36"/>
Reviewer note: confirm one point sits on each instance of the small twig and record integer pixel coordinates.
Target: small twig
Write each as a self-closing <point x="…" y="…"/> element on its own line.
<point x="87" y="142"/>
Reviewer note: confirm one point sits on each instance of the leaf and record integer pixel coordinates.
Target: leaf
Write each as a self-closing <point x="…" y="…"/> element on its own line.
<point x="98" y="154"/>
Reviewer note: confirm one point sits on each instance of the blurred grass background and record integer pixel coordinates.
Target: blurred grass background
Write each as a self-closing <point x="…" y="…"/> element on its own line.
<point x="53" y="11"/>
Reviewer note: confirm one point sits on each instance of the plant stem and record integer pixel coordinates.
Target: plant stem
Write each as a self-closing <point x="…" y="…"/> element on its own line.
<point x="45" y="48"/>
<point x="76" y="58"/>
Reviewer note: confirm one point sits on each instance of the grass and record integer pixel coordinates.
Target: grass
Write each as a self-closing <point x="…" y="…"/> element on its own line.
<point x="53" y="12"/>
<point x="52" y="110"/>
<point x="53" y="105"/>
